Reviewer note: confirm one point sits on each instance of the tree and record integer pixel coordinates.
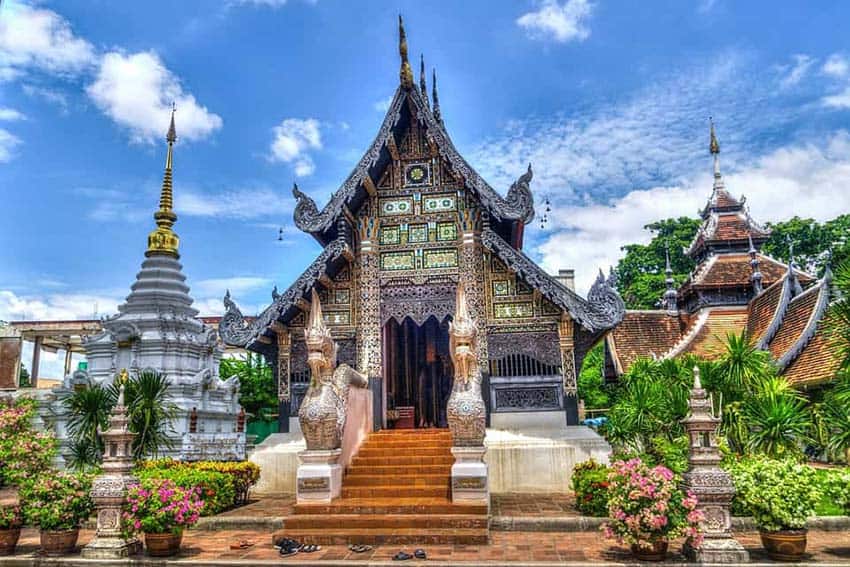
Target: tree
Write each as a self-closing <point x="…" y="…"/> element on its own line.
<point x="640" y="273"/>
<point x="591" y="381"/>
<point x="24" y="377"/>
<point x="811" y="241"/>
<point x="151" y="412"/>
<point x="257" y="386"/>
<point x="88" y="414"/>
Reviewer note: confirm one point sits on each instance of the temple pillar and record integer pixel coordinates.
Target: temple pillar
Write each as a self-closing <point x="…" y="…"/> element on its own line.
<point x="566" y="344"/>
<point x="68" y="354"/>
<point x="471" y="268"/>
<point x="369" y="326"/>
<point x="284" y="395"/>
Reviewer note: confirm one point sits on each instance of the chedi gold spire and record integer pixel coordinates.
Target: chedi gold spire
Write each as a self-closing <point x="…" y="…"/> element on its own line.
<point x="163" y="240"/>
<point x="406" y="73"/>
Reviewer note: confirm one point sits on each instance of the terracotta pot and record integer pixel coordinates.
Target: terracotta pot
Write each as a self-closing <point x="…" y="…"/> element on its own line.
<point x="784" y="545"/>
<point x="656" y="552"/>
<point x="9" y="540"/>
<point x="59" y="542"/>
<point x="163" y="545"/>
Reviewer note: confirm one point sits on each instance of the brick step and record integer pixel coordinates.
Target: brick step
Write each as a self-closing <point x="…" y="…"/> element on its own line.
<point x="413" y="452"/>
<point x="407" y="445"/>
<point x="389" y="491"/>
<point x="336" y="522"/>
<point x="401" y="460"/>
<point x="380" y="470"/>
<point x="432" y="431"/>
<point x="373" y="536"/>
<point x="409" y="480"/>
<point x="392" y="505"/>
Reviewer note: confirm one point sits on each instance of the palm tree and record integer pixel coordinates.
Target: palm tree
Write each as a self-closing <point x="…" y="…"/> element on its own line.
<point x="777" y="418"/>
<point x="838" y="317"/>
<point x="151" y="412"/>
<point x="88" y="411"/>
<point x="740" y="365"/>
<point x="835" y="413"/>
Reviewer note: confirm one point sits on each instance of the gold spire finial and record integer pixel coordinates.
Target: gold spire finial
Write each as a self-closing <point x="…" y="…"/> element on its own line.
<point x="422" y="84"/>
<point x="163" y="240"/>
<point x="436" y="103"/>
<point x="406" y="73"/>
<point x="714" y="146"/>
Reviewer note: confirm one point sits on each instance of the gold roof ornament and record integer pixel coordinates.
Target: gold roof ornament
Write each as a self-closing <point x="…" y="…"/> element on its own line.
<point x="163" y="240"/>
<point x="406" y="73"/>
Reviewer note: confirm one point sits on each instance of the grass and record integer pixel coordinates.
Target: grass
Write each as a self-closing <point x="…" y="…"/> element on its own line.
<point x="826" y="507"/>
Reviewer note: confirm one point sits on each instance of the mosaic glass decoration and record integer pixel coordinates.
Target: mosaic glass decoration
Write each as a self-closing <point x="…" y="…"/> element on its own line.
<point x="417" y="233"/>
<point x="337" y="317"/>
<point x="417" y="174"/>
<point x="446" y="231"/>
<point x="501" y="288"/>
<point x="444" y="258"/>
<point x="514" y="310"/>
<point x="390" y="235"/>
<point x="523" y="288"/>
<point x="391" y="207"/>
<point x="397" y="260"/>
<point x="343" y="296"/>
<point x="440" y="203"/>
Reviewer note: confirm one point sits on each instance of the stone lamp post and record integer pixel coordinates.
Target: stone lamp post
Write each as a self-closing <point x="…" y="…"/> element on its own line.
<point x="709" y="483"/>
<point x="109" y="490"/>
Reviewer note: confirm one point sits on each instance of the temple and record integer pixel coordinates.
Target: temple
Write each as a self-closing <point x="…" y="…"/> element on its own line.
<point x="411" y="222"/>
<point x="734" y="288"/>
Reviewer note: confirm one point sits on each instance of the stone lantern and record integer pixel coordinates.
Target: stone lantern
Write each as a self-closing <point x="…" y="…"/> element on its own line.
<point x="711" y="485"/>
<point x="109" y="490"/>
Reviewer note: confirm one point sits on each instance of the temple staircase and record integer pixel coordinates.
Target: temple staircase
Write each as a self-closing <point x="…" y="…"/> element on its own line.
<point x="396" y="490"/>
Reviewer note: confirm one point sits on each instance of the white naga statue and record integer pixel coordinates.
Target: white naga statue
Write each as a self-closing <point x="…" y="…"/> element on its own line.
<point x="323" y="411"/>
<point x="466" y="411"/>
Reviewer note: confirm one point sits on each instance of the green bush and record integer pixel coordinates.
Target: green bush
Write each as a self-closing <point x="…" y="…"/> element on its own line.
<point x="590" y="484"/>
<point x="216" y="488"/>
<point x="243" y="473"/>
<point x="838" y="488"/>
<point x="24" y="452"/>
<point x="779" y="495"/>
<point x="57" y="500"/>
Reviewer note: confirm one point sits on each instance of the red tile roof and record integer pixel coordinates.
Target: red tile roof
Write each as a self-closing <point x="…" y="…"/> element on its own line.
<point x="724" y="270"/>
<point x="794" y="322"/>
<point x="709" y="338"/>
<point x="645" y="334"/>
<point x="763" y="309"/>
<point x="818" y="362"/>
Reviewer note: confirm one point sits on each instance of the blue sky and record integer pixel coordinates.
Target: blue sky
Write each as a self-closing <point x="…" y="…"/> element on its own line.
<point x="609" y="100"/>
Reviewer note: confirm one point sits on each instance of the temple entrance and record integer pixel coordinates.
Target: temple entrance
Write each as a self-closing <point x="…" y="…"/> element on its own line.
<point x="417" y="373"/>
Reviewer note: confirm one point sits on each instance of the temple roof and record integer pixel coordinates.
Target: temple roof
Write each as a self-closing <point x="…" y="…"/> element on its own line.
<point x="602" y="310"/>
<point x="726" y="270"/>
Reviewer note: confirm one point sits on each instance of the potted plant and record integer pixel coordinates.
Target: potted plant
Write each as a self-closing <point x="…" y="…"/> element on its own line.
<point x="58" y="502"/>
<point x="781" y="495"/>
<point x="646" y="509"/>
<point x="10" y="527"/>
<point x="590" y="485"/>
<point x="161" y="509"/>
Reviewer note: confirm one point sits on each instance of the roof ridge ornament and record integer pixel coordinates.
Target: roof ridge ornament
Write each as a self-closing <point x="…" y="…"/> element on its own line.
<point x="405" y="73"/>
<point x="163" y="240"/>
<point x="438" y="116"/>
<point x="423" y="86"/>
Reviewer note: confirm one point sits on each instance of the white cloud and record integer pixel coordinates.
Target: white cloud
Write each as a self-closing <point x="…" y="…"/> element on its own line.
<point x="559" y="22"/>
<point x="836" y="65"/>
<point x="50" y="95"/>
<point x="383" y="105"/>
<point x="38" y="38"/>
<point x="58" y="306"/>
<point x="240" y="203"/>
<point x="809" y="180"/>
<point x="795" y="72"/>
<point x="293" y="138"/>
<point x="8" y="143"/>
<point x="838" y="100"/>
<point x="136" y="91"/>
<point x="10" y="114"/>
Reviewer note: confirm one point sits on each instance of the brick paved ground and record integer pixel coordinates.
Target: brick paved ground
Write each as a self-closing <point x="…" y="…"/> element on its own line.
<point x="829" y="547"/>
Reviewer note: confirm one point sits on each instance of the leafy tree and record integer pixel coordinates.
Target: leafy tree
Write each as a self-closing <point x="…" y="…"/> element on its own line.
<point x="811" y="241"/>
<point x="838" y="316"/>
<point x="151" y="412"/>
<point x="777" y="417"/>
<point x="591" y="381"/>
<point x="640" y="273"/>
<point x="88" y="415"/>
<point x="257" y="386"/>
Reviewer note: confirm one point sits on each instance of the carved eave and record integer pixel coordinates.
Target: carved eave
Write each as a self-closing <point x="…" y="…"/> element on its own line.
<point x="508" y="213"/>
<point x="816" y="316"/>
<point x="602" y="310"/>
<point x="235" y="330"/>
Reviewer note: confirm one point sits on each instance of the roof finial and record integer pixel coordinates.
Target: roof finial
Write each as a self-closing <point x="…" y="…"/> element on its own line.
<point x="405" y="74"/>
<point x="436" y="98"/>
<point x="423" y="86"/>
<point x="163" y="239"/>
<point x="670" y="295"/>
<point x="796" y="288"/>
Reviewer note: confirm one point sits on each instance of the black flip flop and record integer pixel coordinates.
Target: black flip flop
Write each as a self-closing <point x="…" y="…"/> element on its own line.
<point x="420" y="554"/>
<point x="286" y="551"/>
<point x="402" y="556"/>
<point x="310" y="548"/>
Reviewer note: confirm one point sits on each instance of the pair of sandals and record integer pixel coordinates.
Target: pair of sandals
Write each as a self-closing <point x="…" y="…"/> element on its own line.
<point x="404" y="556"/>
<point x="287" y="546"/>
<point x="359" y="548"/>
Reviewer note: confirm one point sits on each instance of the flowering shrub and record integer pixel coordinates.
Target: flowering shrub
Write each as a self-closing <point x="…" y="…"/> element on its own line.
<point x="645" y="505"/>
<point x="780" y="495"/>
<point x="590" y="484"/>
<point x="159" y="506"/>
<point x="57" y="500"/>
<point x="243" y="474"/>
<point x="23" y="451"/>
<point x="10" y="517"/>
<point x="838" y="488"/>
<point x="215" y="488"/>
